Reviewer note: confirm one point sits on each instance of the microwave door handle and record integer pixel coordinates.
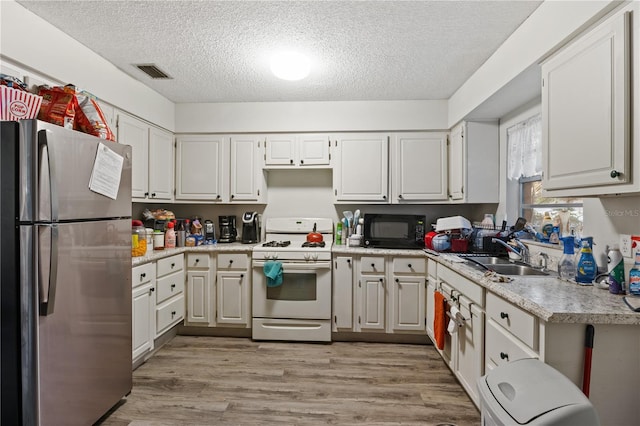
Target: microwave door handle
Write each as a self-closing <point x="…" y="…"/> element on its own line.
<point x="44" y="145"/>
<point x="48" y="293"/>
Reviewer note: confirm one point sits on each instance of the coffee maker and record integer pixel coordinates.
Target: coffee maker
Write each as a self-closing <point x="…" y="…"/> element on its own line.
<point x="228" y="231"/>
<point x="250" y="227"/>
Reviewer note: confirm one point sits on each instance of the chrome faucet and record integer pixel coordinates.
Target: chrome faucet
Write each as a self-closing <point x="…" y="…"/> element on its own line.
<point x="522" y="254"/>
<point x="544" y="261"/>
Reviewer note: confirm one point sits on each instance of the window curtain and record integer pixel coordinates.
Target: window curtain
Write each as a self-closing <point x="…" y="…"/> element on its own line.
<point x="524" y="145"/>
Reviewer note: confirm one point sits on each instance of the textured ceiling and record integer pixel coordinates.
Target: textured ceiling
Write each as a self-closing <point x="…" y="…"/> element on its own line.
<point x="218" y="51"/>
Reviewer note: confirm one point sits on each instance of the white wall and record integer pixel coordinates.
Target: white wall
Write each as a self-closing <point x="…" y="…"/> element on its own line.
<point x="31" y="42"/>
<point x="311" y="116"/>
<point x="549" y="26"/>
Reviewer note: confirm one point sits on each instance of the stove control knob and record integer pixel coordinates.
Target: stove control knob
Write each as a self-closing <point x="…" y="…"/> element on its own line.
<point x="315" y="257"/>
<point x="307" y="257"/>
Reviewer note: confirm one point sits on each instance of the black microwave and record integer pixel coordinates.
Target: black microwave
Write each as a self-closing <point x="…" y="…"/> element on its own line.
<point x="396" y="231"/>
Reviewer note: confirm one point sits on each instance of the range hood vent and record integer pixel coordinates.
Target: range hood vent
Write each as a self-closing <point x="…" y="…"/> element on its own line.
<point x="153" y="71"/>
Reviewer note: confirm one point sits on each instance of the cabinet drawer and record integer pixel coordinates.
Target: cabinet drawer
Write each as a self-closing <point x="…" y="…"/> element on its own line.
<point x="516" y="321"/>
<point x="233" y="261"/>
<point x="143" y="274"/>
<point x="501" y="347"/>
<point x="409" y="265"/>
<point x="371" y="265"/>
<point x="432" y="267"/>
<point x="169" y="286"/>
<point x="169" y="264"/>
<point x="461" y="284"/>
<point x="169" y="314"/>
<point x="198" y="260"/>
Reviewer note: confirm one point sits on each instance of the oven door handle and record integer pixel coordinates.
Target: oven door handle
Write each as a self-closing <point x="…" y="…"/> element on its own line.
<point x="298" y="266"/>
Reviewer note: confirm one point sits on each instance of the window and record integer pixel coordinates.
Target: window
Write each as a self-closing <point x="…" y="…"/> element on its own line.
<point x="524" y="144"/>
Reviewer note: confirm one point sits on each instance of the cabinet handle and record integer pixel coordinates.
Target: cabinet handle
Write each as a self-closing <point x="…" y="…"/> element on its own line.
<point x="380" y="279"/>
<point x="231" y="261"/>
<point x="142" y="275"/>
<point x="173" y="265"/>
<point x="301" y="162"/>
<point x="400" y="196"/>
<point x="614" y="174"/>
<point x="241" y="275"/>
<point x="173" y="314"/>
<point x="504" y="356"/>
<point x="409" y="265"/>
<point x="153" y="195"/>
<point x="290" y="161"/>
<point x="373" y="265"/>
<point x="335" y="319"/>
<point x="233" y="196"/>
<point x="218" y="197"/>
<point x="349" y="262"/>
<point x="197" y="260"/>
<point x="397" y="280"/>
<point x="151" y="290"/>
<point x="173" y="286"/>
<point x="384" y="197"/>
<point x="146" y="194"/>
<point x="504" y="315"/>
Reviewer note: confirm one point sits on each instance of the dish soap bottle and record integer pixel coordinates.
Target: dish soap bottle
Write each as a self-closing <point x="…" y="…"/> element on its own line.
<point x="634" y="277"/>
<point x="547" y="226"/>
<point x="567" y="263"/>
<point x="587" y="268"/>
<point x="616" y="271"/>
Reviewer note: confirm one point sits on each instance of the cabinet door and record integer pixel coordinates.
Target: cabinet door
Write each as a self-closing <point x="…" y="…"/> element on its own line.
<point x="456" y="163"/>
<point x="313" y="150"/>
<point x="420" y="167"/>
<point x="280" y="150"/>
<point x="372" y="303"/>
<point x="135" y="133"/>
<point x="430" y="305"/>
<point x="160" y="164"/>
<point x="407" y="305"/>
<point x="143" y="319"/>
<point x="342" y="293"/>
<point x="470" y="363"/>
<point x="233" y="298"/>
<point x="361" y="170"/>
<point x="585" y="109"/>
<point x="246" y="169"/>
<point x="200" y="168"/>
<point x="199" y="309"/>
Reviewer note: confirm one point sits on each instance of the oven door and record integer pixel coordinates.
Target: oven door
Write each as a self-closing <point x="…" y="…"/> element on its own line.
<point x="305" y="292"/>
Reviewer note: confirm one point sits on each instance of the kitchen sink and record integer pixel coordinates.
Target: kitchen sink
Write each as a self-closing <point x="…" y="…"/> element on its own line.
<point x="505" y="266"/>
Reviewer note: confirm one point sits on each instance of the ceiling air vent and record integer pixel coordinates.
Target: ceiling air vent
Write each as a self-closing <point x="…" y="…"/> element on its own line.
<point x="153" y="71"/>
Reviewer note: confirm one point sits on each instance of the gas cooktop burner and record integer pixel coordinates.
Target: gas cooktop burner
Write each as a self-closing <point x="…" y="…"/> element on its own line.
<point x="310" y="244"/>
<point x="276" y="244"/>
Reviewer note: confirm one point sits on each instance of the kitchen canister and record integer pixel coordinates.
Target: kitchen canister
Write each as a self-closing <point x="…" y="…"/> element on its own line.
<point x="615" y="268"/>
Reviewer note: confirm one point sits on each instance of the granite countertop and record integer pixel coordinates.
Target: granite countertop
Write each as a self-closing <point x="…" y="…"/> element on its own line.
<point x="159" y="254"/>
<point x="547" y="297"/>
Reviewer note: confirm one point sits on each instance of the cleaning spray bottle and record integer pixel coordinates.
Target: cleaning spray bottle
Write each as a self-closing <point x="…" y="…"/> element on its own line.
<point x="616" y="271"/>
<point x="587" y="267"/>
<point x="567" y="263"/>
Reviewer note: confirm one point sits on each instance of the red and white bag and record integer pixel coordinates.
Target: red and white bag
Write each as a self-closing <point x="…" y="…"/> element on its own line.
<point x="17" y="104"/>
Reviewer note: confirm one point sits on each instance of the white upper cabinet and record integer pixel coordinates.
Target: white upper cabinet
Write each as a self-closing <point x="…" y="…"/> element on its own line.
<point x="297" y="150"/>
<point x="200" y="168"/>
<point x="360" y="170"/>
<point x="248" y="184"/>
<point x="474" y="162"/>
<point x="152" y="156"/>
<point x="419" y="167"/>
<point x="586" y="122"/>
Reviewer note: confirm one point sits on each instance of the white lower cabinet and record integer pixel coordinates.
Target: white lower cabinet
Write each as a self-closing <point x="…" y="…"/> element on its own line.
<point x="143" y="309"/>
<point x="343" y="273"/>
<point x="371" y="294"/>
<point x="169" y="293"/>
<point x="407" y="294"/>
<point x="200" y="298"/>
<point x="233" y="285"/>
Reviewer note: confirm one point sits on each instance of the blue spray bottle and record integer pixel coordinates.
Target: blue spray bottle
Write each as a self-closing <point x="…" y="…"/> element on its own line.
<point x="587" y="267"/>
<point x="567" y="263"/>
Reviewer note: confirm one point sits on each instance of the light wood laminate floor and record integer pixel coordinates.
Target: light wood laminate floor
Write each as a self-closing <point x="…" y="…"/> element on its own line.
<point x="237" y="381"/>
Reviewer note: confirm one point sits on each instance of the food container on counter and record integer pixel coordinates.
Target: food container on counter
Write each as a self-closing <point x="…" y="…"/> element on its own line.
<point x="138" y="239"/>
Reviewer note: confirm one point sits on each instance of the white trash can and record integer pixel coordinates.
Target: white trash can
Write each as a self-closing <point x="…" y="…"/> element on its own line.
<point x="530" y="392"/>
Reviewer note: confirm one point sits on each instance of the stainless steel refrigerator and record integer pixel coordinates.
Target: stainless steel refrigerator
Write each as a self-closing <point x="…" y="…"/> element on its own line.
<point x="66" y="274"/>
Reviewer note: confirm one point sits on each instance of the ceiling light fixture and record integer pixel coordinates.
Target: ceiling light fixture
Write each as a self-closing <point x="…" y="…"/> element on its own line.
<point x="290" y="66"/>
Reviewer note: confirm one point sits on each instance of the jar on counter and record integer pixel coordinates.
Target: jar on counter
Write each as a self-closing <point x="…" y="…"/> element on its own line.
<point x="138" y="239"/>
<point x="149" y="239"/>
<point x="158" y="240"/>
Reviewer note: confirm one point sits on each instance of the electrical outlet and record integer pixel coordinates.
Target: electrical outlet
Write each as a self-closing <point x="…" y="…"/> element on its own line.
<point x="625" y="245"/>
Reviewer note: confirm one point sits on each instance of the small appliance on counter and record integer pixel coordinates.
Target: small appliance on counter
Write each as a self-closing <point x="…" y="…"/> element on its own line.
<point x="228" y="231"/>
<point x="395" y="231"/>
<point x="209" y="230"/>
<point x="250" y="228"/>
<point x="452" y="233"/>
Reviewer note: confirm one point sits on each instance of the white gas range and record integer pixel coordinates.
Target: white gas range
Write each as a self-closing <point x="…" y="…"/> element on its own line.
<point x="294" y="302"/>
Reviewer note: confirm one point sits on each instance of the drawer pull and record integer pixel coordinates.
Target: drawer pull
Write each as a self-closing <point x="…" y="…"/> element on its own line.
<point x="173" y="286"/>
<point x="142" y="275"/>
<point x="173" y="265"/>
<point x="504" y="315"/>
<point x="151" y="290"/>
<point x="504" y="356"/>
<point x="349" y="262"/>
<point x="197" y="260"/>
<point x="409" y="265"/>
<point x="173" y="314"/>
<point x="373" y="265"/>
<point x="397" y="280"/>
<point x="241" y="275"/>
<point x="230" y="261"/>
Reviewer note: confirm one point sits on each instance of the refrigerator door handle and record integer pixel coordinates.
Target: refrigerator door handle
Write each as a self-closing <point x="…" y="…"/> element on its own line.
<point x="48" y="294"/>
<point x="43" y="142"/>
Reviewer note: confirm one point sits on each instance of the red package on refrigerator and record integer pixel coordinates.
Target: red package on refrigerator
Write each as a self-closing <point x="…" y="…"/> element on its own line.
<point x="58" y="105"/>
<point x="90" y="118"/>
